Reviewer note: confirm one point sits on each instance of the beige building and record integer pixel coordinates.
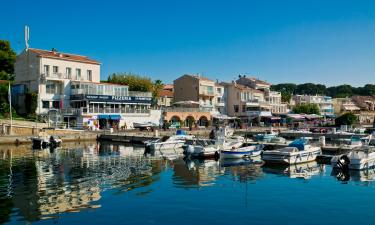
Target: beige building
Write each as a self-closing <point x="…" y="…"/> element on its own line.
<point x="272" y="97"/>
<point x="245" y="102"/>
<point x="165" y="98"/>
<point x="206" y="92"/>
<point x="49" y="73"/>
<point x="344" y="105"/>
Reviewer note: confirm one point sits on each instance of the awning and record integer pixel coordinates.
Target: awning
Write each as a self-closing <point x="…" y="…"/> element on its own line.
<point x="103" y="116"/>
<point x="115" y="117"/>
<point x="109" y="116"/>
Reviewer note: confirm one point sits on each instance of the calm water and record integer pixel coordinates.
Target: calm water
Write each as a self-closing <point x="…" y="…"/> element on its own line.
<point x="105" y="184"/>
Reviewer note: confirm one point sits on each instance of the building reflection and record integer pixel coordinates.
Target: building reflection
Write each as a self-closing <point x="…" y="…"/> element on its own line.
<point x="302" y="170"/>
<point x="195" y="173"/>
<point x="243" y="170"/>
<point x="42" y="184"/>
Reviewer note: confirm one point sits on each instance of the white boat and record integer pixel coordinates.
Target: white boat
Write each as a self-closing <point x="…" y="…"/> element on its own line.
<point x="355" y="142"/>
<point x="168" y="142"/>
<point x="297" y="152"/>
<point x="212" y="150"/>
<point x="241" y="152"/>
<point x="358" y="159"/>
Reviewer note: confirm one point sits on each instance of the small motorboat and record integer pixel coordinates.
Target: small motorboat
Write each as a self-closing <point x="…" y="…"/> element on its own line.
<point x="299" y="151"/>
<point x="241" y="152"/>
<point x="358" y="159"/>
<point x="169" y="142"/>
<point x="355" y="142"/>
<point x="45" y="141"/>
<point x="266" y="137"/>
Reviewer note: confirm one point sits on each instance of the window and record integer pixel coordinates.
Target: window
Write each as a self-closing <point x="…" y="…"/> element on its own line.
<point x="56" y="104"/>
<point x="89" y="75"/>
<point x="78" y="74"/>
<point x="55" y="69"/>
<point x="238" y="95"/>
<point x="51" y="87"/>
<point x="218" y="90"/>
<point x="68" y="72"/>
<point x="45" y="104"/>
<point x="243" y="108"/>
<point x="236" y="108"/>
<point x="46" y="70"/>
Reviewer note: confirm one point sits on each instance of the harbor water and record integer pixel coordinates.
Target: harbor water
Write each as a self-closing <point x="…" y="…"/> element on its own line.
<point x="102" y="183"/>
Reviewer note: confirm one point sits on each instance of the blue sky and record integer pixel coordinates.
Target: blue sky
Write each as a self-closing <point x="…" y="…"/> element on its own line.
<point x="320" y="41"/>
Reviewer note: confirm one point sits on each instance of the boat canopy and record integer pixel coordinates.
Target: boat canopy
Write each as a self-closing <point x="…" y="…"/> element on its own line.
<point x="299" y="144"/>
<point x="181" y="132"/>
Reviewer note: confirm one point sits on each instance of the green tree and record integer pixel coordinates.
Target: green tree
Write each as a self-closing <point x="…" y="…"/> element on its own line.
<point x="7" y="59"/>
<point x="306" y="109"/>
<point x="134" y="81"/>
<point x="346" y="119"/>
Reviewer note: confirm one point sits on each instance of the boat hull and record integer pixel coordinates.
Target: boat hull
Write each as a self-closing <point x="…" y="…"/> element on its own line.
<point x="296" y="158"/>
<point x="228" y="154"/>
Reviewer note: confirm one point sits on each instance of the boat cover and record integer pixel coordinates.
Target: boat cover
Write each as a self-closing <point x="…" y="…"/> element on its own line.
<point x="181" y="132"/>
<point x="299" y="144"/>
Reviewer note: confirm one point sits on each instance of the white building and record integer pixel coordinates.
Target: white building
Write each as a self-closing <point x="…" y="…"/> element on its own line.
<point x="69" y="89"/>
<point x="324" y="103"/>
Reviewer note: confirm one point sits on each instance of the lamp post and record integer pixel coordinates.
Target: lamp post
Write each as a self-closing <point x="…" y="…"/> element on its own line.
<point x="10" y="104"/>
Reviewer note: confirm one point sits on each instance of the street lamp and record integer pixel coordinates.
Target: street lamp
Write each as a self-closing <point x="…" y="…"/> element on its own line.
<point x="10" y="103"/>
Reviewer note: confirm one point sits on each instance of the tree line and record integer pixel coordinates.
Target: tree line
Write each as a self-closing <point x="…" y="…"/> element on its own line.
<point x="340" y="91"/>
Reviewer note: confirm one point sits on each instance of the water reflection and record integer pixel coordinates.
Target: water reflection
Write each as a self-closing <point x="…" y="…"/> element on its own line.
<point x="362" y="176"/>
<point x="45" y="184"/>
<point x="42" y="184"/>
<point x="303" y="170"/>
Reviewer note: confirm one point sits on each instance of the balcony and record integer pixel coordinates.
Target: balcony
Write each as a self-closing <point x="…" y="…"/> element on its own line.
<point x="259" y="113"/>
<point x="206" y="93"/>
<point x="252" y="102"/>
<point x="220" y="104"/>
<point x="115" y="110"/>
<point x="60" y="76"/>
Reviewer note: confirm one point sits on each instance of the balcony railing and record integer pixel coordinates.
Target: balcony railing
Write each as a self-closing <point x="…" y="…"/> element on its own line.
<point x="204" y="92"/>
<point x="115" y="110"/>
<point x="61" y="76"/>
<point x="181" y="109"/>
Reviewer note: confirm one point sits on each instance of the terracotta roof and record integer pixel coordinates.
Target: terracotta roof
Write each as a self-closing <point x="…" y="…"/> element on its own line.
<point x="63" y="56"/>
<point x="199" y="77"/>
<point x="166" y="93"/>
<point x="363" y="101"/>
<point x="257" y="81"/>
<point x="168" y="87"/>
<point x="246" y="88"/>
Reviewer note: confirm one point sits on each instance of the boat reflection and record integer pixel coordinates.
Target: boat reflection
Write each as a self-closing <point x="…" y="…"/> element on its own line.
<point x="302" y="170"/>
<point x="362" y="176"/>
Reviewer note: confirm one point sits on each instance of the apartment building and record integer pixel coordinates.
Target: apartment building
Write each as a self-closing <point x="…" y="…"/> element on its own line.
<point x="245" y="102"/>
<point x="200" y="89"/>
<point x="324" y="103"/>
<point x="272" y="97"/>
<point x="69" y="90"/>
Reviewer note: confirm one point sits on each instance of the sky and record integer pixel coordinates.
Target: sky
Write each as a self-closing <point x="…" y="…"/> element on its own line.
<point x="331" y="42"/>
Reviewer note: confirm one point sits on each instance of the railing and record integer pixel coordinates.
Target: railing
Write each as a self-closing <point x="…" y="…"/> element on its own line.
<point x="140" y="94"/>
<point x="115" y="110"/>
<point x="203" y="92"/>
<point x="180" y="109"/>
<point x="59" y="76"/>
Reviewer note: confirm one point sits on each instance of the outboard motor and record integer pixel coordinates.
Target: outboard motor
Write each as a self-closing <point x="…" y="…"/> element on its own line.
<point x="343" y="162"/>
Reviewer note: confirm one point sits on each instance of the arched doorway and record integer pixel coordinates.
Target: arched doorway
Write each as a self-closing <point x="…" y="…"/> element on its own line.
<point x="189" y="121"/>
<point x="175" y="122"/>
<point x="203" y="121"/>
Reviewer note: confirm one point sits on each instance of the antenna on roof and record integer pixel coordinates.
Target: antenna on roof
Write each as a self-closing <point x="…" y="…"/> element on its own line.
<point x="27" y="36"/>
